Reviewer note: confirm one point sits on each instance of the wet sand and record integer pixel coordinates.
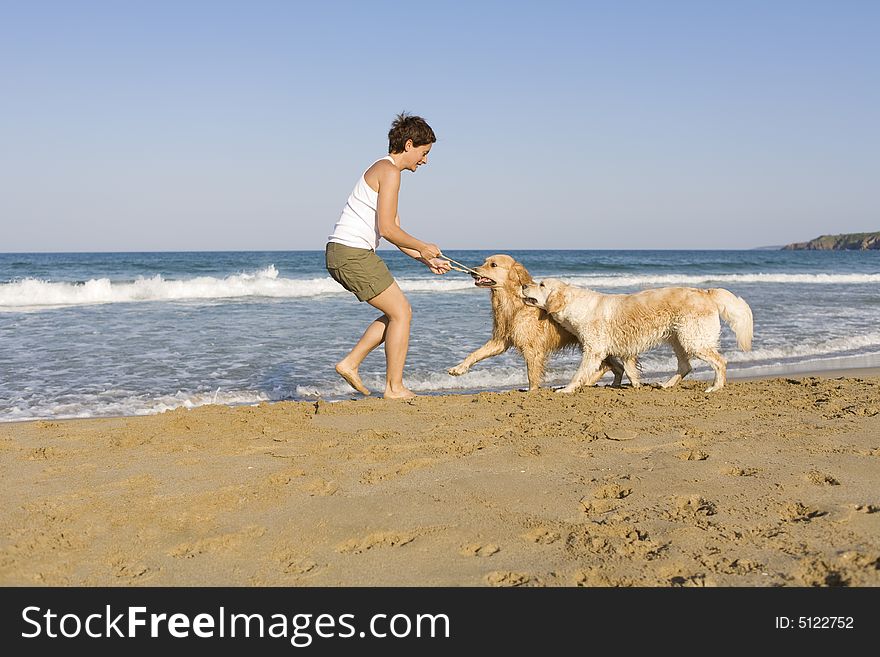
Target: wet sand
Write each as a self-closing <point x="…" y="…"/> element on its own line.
<point x="770" y="482"/>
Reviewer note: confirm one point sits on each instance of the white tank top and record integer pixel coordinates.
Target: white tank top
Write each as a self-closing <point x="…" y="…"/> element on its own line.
<point x="359" y="224"/>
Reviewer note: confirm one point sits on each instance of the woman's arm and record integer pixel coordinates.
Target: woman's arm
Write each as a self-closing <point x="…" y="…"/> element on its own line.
<point x="389" y="221"/>
<point x="436" y="265"/>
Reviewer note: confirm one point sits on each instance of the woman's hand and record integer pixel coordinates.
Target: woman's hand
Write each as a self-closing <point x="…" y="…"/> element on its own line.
<point x="429" y="251"/>
<point x="437" y="265"/>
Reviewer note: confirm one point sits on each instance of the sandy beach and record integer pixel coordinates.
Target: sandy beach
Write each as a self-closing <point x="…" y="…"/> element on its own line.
<point x="768" y="482"/>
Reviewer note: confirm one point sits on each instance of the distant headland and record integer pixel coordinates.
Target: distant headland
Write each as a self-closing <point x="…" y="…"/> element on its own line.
<point x="845" y="242"/>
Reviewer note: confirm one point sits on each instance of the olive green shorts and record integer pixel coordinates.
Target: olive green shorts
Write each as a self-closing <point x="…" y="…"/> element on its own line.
<point x="358" y="270"/>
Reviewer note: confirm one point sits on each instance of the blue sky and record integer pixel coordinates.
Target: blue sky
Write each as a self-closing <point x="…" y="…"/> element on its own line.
<point x="244" y="125"/>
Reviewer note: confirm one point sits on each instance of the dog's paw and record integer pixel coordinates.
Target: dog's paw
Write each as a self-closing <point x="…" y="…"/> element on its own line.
<point x="458" y="370"/>
<point x="567" y="390"/>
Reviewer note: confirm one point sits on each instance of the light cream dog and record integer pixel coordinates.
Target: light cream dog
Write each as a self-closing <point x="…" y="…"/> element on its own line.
<point x="514" y="324"/>
<point x="625" y="325"/>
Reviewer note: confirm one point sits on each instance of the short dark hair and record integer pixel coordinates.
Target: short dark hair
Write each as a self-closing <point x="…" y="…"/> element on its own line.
<point x="406" y="126"/>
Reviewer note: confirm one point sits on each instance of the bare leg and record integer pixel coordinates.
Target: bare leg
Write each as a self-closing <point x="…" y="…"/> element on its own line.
<point x="347" y="368"/>
<point x="394" y="304"/>
<point x="491" y="348"/>
<point x="718" y="364"/>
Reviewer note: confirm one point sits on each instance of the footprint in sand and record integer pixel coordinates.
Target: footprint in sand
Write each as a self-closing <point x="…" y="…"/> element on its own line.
<point x="866" y="508"/>
<point x="229" y="542"/>
<point x="594" y="576"/>
<point x="693" y="455"/>
<point x="605" y="499"/>
<point x="822" y="479"/>
<point x="612" y="492"/>
<point x="131" y="572"/>
<point x="299" y="566"/>
<point x="798" y="512"/>
<point x="510" y="578"/>
<point x="693" y="505"/>
<point x="817" y="572"/>
<point x="619" y="434"/>
<point x="698" y="580"/>
<point x="742" y="472"/>
<point x="284" y="477"/>
<point x="320" y="487"/>
<point x="478" y="550"/>
<point x="375" y="540"/>
<point x="543" y="536"/>
<point x="42" y="454"/>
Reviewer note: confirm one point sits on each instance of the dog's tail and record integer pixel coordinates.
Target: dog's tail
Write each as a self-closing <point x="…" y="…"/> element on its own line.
<point x="736" y="312"/>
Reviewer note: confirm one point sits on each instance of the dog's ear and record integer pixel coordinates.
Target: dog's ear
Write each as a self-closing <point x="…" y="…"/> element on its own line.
<point x="555" y="301"/>
<point x="520" y="275"/>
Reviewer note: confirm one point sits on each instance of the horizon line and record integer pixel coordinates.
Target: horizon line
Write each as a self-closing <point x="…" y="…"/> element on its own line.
<point x="388" y="249"/>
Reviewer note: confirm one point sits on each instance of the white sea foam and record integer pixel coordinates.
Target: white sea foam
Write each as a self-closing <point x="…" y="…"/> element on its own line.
<point x="99" y="406"/>
<point x="865" y="343"/>
<point x="656" y="366"/>
<point x="33" y="294"/>
<point x="809" y="365"/>
<point x="650" y="280"/>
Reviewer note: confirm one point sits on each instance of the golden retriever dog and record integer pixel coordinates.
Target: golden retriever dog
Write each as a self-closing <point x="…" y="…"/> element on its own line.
<point x="625" y="325"/>
<point x="514" y="324"/>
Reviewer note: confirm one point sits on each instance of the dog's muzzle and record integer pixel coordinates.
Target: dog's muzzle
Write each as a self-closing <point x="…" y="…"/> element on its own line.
<point x="529" y="301"/>
<point x="483" y="281"/>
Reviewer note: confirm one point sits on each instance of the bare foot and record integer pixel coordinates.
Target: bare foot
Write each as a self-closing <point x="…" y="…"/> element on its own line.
<point x="403" y="393"/>
<point x="351" y="376"/>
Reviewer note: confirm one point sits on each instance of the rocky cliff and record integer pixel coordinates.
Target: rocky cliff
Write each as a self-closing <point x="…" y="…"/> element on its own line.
<point x="845" y="242"/>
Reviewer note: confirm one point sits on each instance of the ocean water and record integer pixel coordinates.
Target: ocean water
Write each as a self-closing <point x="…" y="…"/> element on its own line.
<point x="110" y="334"/>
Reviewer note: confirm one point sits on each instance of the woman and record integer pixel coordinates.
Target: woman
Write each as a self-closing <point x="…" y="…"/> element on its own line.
<point x="369" y="215"/>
